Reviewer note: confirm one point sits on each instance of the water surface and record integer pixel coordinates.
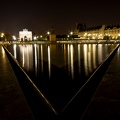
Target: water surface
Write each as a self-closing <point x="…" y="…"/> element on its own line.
<point x="59" y="70"/>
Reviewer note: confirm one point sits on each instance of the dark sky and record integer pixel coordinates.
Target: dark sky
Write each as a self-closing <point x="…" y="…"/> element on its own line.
<point x="39" y="16"/>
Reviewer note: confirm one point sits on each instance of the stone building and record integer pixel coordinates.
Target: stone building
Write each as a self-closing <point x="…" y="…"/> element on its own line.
<point x="25" y="35"/>
<point x="51" y="35"/>
<point x="99" y="32"/>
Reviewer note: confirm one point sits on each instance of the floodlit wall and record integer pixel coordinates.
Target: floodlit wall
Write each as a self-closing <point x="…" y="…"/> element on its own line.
<point x="103" y="32"/>
<point x="25" y="35"/>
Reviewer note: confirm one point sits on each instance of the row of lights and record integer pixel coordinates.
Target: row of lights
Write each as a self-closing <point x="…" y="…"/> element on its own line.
<point x="35" y="37"/>
<point x="2" y="35"/>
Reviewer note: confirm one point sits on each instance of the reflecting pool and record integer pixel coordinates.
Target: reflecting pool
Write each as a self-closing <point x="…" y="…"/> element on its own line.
<point x="60" y="70"/>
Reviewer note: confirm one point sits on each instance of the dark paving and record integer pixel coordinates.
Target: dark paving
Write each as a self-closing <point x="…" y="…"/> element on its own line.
<point x="13" y="105"/>
<point x="105" y="105"/>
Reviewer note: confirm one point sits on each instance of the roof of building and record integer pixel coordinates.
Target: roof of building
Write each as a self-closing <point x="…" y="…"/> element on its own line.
<point x="94" y="28"/>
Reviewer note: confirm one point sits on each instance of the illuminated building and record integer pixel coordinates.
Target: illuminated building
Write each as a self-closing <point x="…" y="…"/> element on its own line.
<point x="25" y="35"/>
<point x="99" y="32"/>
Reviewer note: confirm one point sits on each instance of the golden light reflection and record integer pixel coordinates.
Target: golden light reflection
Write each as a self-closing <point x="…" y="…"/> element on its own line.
<point x="49" y="62"/>
<point x="35" y="49"/>
<point x="89" y="58"/>
<point x="27" y="59"/>
<point x="23" y="59"/>
<point x="72" y="60"/>
<point x="65" y="54"/>
<point x="3" y="53"/>
<point x="41" y="57"/>
<point x="79" y="65"/>
<point x="68" y="51"/>
<point x="85" y="59"/>
<point x="27" y="56"/>
<point x="94" y="56"/>
<point x="14" y="50"/>
<point x="100" y="53"/>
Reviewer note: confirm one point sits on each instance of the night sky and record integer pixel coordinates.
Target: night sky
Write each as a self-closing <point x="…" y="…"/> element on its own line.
<point x="40" y="16"/>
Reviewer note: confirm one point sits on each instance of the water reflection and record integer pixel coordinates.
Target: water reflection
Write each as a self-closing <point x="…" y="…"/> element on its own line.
<point x="94" y="58"/>
<point x="79" y="59"/>
<point x="70" y="60"/>
<point x="25" y="56"/>
<point x="76" y="59"/>
<point x="3" y="52"/>
<point x="41" y="46"/>
<point x="36" y="62"/>
<point x="60" y="68"/>
<point x="85" y="59"/>
<point x="49" y="63"/>
<point x="14" y="49"/>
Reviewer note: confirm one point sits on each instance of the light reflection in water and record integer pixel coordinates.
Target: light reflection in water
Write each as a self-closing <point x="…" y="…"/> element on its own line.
<point x="85" y="59"/>
<point x="79" y="58"/>
<point x="94" y="56"/>
<point x="26" y="51"/>
<point x="72" y="60"/>
<point x="79" y="61"/>
<point x="49" y="62"/>
<point x="65" y="53"/>
<point x="14" y="49"/>
<point x="35" y="49"/>
<point x="100" y="52"/>
<point x="88" y="57"/>
<point x="3" y="53"/>
<point x="23" y="56"/>
<point x="28" y="57"/>
<point x="68" y="51"/>
<point x="41" y="57"/>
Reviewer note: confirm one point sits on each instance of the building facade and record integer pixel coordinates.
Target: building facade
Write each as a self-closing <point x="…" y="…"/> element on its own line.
<point x="99" y="32"/>
<point x="25" y="35"/>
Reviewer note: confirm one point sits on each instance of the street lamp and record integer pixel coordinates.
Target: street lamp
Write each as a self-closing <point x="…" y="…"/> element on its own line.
<point x="71" y="33"/>
<point x="48" y="32"/>
<point x="35" y="38"/>
<point x="2" y="36"/>
<point x="48" y="37"/>
<point x="14" y="37"/>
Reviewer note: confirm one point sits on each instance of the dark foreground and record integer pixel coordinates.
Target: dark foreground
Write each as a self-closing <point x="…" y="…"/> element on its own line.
<point x="105" y="103"/>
